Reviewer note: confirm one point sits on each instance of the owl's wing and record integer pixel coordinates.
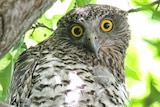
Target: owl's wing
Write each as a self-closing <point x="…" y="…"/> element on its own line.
<point x="105" y="77"/>
<point x="22" y="76"/>
<point x="2" y="104"/>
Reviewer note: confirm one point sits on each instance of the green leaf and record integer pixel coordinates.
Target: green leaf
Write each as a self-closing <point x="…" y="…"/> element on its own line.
<point x="15" y="54"/>
<point x="132" y="63"/>
<point x="131" y="73"/>
<point x="149" y="7"/>
<point x="19" y="44"/>
<point x="5" y="78"/>
<point x="154" y="93"/>
<point x="154" y="46"/>
<point x="18" y="49"/>
<point x="71" y="6"/>
<point x="55" y="19"/>
<point x="1" y="90"/>
<point x="40" y="34"/>
<point x="62" y="0"/>
<point x="82" y="2"/>
<point x="93" y="1"/>
<point x="5" y="61"/>
<point x="140" y="2"/>
<point x="6" y="66"/>
<point x="46" y="21"/>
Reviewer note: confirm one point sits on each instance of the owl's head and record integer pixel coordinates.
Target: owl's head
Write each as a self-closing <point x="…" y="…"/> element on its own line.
<point x="94" y="27"/>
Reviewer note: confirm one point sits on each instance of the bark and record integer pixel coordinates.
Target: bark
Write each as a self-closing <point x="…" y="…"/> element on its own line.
<point x="16" y="16"/>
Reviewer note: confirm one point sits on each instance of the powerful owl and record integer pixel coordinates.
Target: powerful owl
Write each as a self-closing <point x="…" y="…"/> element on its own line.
<point x="80" y="65"/>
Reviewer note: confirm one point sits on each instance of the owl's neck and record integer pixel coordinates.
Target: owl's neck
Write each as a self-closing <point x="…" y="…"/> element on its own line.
<point x="113" y="59"/>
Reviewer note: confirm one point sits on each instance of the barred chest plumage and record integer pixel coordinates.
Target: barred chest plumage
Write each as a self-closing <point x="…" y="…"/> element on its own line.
<point x="67" y="80"/>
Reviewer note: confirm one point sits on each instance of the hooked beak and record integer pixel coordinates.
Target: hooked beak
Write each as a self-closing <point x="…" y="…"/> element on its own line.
<point x="93" y="43"/>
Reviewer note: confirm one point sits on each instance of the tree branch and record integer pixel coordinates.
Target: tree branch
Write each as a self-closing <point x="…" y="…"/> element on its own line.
<point x="16" y="17"/>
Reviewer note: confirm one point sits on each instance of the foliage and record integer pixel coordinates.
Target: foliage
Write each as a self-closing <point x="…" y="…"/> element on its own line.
<point x="43" y="28"/>
<point x="151" y="97"/>
<point x="6" y="67"/>
<point x="148" y="7"/>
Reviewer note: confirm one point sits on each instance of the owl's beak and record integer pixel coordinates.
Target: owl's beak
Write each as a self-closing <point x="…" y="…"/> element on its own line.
<point x="93" y="43"/>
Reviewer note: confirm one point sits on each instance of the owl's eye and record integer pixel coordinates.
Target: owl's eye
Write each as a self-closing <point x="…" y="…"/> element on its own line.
<point x="106" y="25"/>
<point x="76" y="31"/>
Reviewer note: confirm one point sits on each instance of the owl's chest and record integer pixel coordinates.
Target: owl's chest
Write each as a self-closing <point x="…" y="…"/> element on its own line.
<point x="66" y="82"/>
<point x="61" y="80"/>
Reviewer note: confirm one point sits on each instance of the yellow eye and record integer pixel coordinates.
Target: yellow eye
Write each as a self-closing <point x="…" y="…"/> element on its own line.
<point x="77" y="31"/>
<point x="106" y="25"/>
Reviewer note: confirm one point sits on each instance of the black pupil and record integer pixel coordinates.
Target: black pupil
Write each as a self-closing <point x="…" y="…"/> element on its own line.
<point x="77" y="31"/>
<point x="106" y="25"/>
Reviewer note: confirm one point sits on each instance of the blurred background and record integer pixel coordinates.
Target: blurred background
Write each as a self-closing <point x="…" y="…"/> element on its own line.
<point x="142" y="61"/>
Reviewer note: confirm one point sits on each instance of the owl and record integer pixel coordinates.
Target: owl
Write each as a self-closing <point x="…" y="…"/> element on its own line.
<point x="80" y="65"/>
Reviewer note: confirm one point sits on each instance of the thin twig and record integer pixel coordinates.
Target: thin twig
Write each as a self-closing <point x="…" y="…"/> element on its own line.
<point x="41" y="25"/>
<point x="145" y="7"/>
<point x="155" y="10"/>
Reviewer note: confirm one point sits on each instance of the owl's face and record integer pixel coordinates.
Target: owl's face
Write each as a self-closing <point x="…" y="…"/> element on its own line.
<point x="95" y="26"/>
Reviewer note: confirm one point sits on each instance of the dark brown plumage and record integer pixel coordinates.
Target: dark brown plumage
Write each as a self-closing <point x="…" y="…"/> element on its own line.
<point x="80" y="65"/>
